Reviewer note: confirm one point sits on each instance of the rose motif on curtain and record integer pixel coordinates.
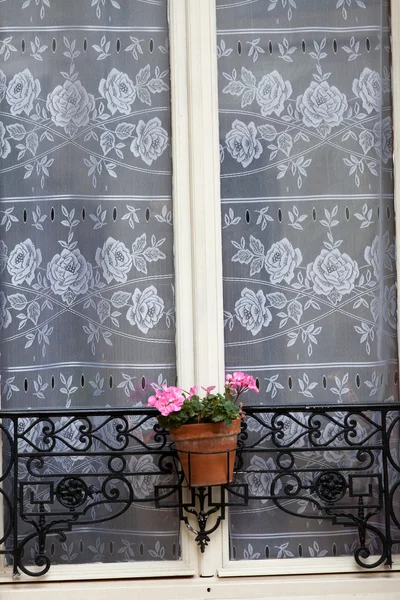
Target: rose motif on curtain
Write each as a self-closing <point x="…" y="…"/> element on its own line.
<point x="23" y="262"/>
<point x="21" y="92"/>
<point x="369" y="89"/>
<point x="260" y="477"/>
<point x="291" y="430"/>
<point x="322" y="106"/>
<point x="281" y="260"/>
<point x="272" y="93"/>
<point x="333" y="274"/>
<point x="242" y="143"/>
<point x="143" y="482"/>
<point x="115" y="260"/>
<point x="70" y="106"/>
<point x="146" y="310"/>
<point x="151" y="141"/>
<point x="69" y="274"/>
<point x="251" y="311"/>
<point x="119" y="91"/>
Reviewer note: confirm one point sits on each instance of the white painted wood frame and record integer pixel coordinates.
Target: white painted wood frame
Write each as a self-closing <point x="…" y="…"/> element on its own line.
<point x="205" y="201"/>
<point x="198" y="256"/>
<point x="371" y="586"/>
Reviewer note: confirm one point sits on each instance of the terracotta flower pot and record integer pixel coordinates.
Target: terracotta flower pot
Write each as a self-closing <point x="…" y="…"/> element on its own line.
<point x="207" y="451"/>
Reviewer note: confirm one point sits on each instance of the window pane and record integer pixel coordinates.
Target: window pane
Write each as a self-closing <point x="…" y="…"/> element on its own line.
<point x="308" y="229"/>
<point x="87" y="300"/>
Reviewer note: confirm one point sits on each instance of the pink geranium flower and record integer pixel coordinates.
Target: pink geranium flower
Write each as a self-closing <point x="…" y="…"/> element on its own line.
<point x="208" y="389"/>
<point x="193" y="391"/>
<point x="170" y="399"/>
<point x="167" y="400"/>
<point x="240" y="381"/>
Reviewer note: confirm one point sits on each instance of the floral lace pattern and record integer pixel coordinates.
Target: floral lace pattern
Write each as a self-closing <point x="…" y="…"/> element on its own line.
<point x="87" y="313"/>
<point x="70" y="114"/>
<point x="307" y="215"/>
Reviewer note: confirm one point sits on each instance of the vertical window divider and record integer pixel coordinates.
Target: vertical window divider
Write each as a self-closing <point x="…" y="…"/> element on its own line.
<point x="203" y="240"/>
<point x="183" y="227"/>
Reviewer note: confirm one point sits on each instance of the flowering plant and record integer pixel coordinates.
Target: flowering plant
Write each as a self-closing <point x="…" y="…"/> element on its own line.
<point x="178" y="407"/>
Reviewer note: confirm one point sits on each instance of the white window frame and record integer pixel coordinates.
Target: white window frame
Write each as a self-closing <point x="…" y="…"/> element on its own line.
<point x="200" y="349"/>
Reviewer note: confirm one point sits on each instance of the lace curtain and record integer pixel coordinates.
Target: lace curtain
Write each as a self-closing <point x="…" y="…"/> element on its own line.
<point x="87" y="283"/>
<point x="308" y="228"/>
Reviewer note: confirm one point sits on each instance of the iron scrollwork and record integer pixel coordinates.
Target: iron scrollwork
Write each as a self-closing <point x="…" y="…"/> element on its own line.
<point x="39" y="502"/>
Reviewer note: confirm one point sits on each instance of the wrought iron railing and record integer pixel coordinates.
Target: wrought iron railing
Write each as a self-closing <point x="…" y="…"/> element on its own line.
<point x="38" y="503"/>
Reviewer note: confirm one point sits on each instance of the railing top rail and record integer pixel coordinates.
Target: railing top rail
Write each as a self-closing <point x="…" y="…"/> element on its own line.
<point x="149" y="411"/>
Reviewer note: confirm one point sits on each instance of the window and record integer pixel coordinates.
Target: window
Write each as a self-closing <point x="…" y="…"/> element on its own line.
<point x="308" y="248"/>
<point x="88" y="317"/>
<point x="200" y="249"/>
